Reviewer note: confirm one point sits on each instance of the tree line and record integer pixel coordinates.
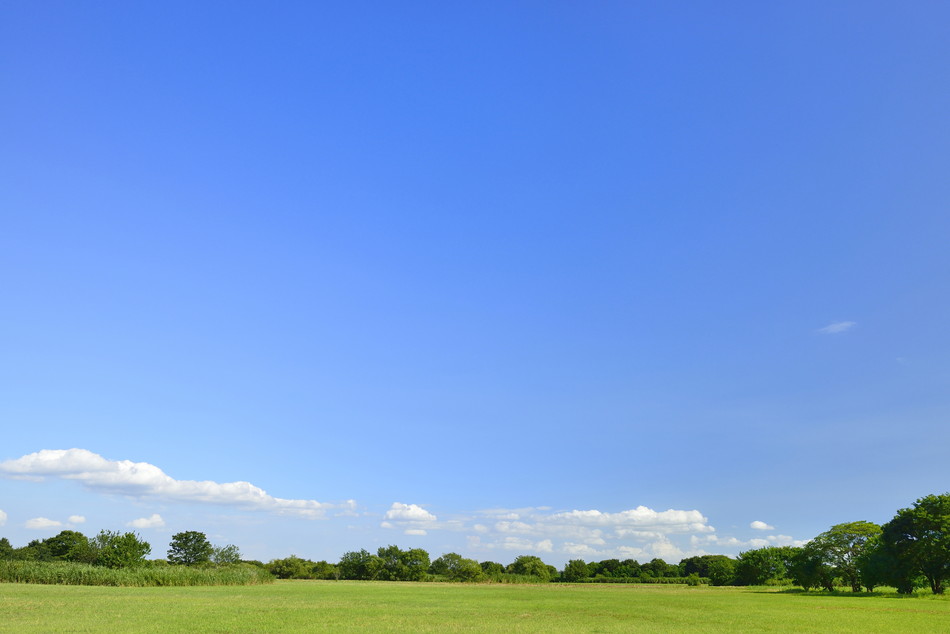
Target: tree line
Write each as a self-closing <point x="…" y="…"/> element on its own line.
<point x="112" y="549"/>
<point x="909" y="552"/>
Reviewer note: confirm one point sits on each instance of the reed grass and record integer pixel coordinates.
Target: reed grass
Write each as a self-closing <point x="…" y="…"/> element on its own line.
<point x="69" y="573"/>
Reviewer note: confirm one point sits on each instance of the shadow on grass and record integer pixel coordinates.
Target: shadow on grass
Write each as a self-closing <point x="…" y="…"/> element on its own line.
<point x="848" y="594"/>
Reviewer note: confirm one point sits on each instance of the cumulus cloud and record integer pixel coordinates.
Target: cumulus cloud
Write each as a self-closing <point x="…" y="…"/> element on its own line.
<point x="141" y="479"/>
<point x="761" y="526"/>
<point x="42" y="522"/>
<point x="411" y="518"/>
<point x="76" y="519"/>
<point x="837" y="327"/>
<point x="409" y="512"/>
<point x="3" y="518"/>
<point x="155" y="521"/>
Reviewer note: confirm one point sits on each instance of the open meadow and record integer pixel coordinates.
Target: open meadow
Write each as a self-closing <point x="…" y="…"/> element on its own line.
<point x="414" y="607"/>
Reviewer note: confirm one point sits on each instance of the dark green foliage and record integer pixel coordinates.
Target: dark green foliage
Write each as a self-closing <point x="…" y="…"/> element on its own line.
<point x="492" y="569"/>
<point x="530" y="566"/>
<point x="222" y="555"/>
<point x="720" y="569"/>
<point x="189" y="548"/>
<point x="575" y="570"/>
<point x="119" y="550"/>
<point x="402" y="565"/>
<point x="324" y="570"/>
<point x="360" y="564"/>
<point x="6" y="549"/>
<point x="809" y="568"/>
<point x="839" y="549"/>
<point x="882" y="565"/>
<point x="763" y="565"/>
<point x="70" y="546"/>
<point x="292" y="567"/>
<point x="919" y="537"/>
<point x="454" y="567"/>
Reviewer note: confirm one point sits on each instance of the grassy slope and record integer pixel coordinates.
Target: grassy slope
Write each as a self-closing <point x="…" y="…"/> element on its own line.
<point x="354" y="606"/>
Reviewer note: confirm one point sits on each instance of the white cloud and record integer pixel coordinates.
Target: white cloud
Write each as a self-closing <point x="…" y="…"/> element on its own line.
<point x="76" y="519"/>
<point x="633" y="533"/>
<point x="155" y="521"/>
<point x="42" y="522"/>
<point x="409" y="512"/>
<point x="733" y="544"/>
<point x="837" y="327"/>
<point x="415" y="531"/>
<point x="141" y="479"/>
<point x="761" y="526"/>
<point x="3" y="518"/>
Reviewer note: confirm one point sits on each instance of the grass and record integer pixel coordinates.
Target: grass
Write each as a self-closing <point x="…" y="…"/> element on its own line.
<point x="63" y="572"/>
<point x="307" y="606"/>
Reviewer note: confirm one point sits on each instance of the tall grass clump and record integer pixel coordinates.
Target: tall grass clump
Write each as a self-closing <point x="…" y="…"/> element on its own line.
<point x="71" y="573"/>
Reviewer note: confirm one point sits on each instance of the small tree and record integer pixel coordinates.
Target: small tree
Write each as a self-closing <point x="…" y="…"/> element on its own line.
<point x="189" y="548"/>
<point x="222" y="555"/>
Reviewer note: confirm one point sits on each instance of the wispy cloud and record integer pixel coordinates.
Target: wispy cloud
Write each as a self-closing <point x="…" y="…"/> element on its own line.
<point x="42" y="522"/>
<point x="141" y="479"/>
<point x="3" y="518"/>
<point x="761" y="526"/>
<point x="76" y="519"/>
<point x="837" y="327"/>
<point x="155" y="521"/>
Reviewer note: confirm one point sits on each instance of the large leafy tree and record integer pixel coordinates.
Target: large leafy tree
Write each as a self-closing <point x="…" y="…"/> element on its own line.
<point x="920" y="536"/>
<point x="189" y="548"/>
<point x="70" y="546"/>
<point x="841" y="547"/>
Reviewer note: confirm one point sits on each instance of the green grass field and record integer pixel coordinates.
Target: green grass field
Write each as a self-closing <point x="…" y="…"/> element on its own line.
<point x="301" y="606"/>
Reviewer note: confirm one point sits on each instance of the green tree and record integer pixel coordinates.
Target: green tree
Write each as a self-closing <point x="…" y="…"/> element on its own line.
<point x="324" y="570"/>
<point x="6" y="549"/>
<point x="292" y="567"/>
<point x="575" y="570"/>
<point x="530" y="566"/>
<point x="841" y="546"/>
<point x="882" y="565"/>
<point x="492" y="569"/>
<point x="70" y="546"/>
<point x="457" y="568"/>
<point x="809" y="568"/>
<point x="189" y="548"/>
<point x="360" y="564"/>
<point x="920" y="538"/>
<point x="222" y="555"/>
<point x="119" y="550"/>
<point x="756" y="567"/>
<point x="721" y="570"/>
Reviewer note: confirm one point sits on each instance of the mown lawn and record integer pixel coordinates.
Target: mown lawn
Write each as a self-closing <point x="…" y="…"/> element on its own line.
<point x="309" y="606"/>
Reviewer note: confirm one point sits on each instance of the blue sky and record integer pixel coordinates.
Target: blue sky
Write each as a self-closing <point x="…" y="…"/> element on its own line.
<point x="586" y="280"/>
